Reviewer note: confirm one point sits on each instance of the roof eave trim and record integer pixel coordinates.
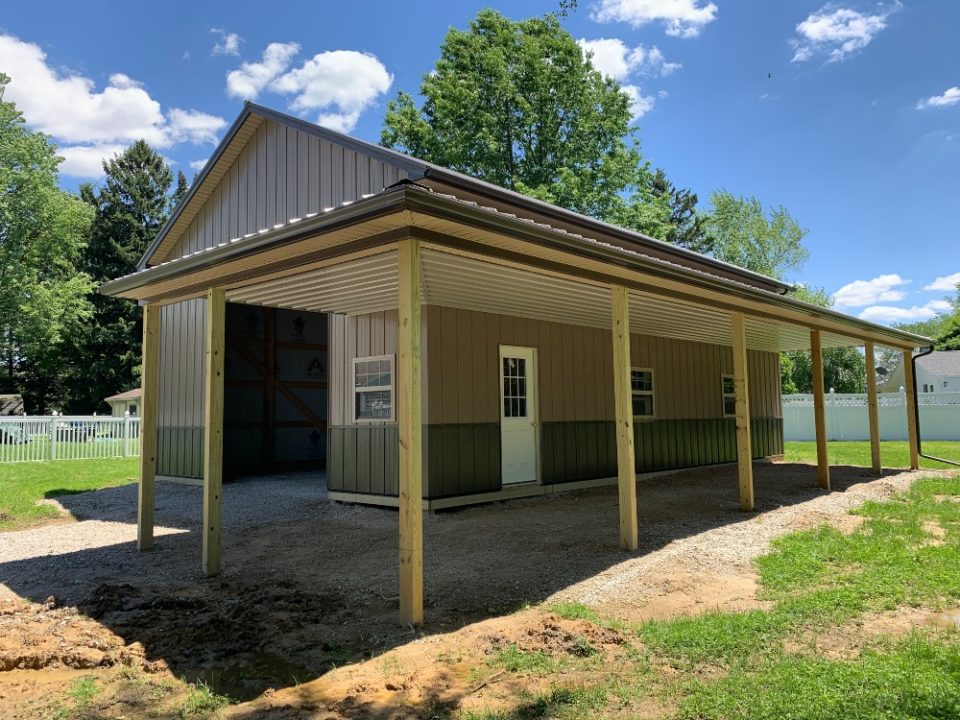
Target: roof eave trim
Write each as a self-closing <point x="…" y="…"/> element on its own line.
<point x="384" y="203"/>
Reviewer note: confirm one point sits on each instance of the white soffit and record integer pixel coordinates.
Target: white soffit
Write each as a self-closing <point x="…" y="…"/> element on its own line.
<point x="371" y="285"/>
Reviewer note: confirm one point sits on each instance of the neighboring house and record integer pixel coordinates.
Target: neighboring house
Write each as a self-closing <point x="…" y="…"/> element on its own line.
<point x="937" y="372"/>
<point x="11" y="405"/>
<point x="125" y="403"/>
<point x="482" y="345"/>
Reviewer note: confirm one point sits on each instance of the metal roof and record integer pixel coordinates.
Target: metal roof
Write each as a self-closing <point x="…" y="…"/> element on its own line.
<point x="443" y="178"/>
<point x="428" y="207"/>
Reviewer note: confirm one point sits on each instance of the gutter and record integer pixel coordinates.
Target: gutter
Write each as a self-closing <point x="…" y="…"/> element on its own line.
<point x="916" y="409"/>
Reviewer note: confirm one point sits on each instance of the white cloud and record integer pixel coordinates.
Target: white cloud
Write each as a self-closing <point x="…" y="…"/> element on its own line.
<point x="885" y="288"/>
<point x="681" y="18"/>
<point x="945" y="283"/>
<point x="86" y="161"/>
<point x="91" y="125"/>
<point x="198" y="165"/>
<point x="252" y="77"/>
<point x="612" y="57"/>
<point x="227" y="44"/>
<point x="838" y="32"/>
<point x="640" y="104"/>
<point x="193" y="126"/>
<point x="339" y="83"/>
<point x="890" y="314"/>
<point x="950" y="96"/>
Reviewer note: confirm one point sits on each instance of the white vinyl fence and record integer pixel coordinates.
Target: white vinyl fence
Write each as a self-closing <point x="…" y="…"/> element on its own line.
<point x="25" y="438"/>
<point x="847" y="416"/>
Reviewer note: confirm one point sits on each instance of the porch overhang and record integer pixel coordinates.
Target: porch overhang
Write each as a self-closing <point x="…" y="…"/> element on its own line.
<point x="481" y="258"/>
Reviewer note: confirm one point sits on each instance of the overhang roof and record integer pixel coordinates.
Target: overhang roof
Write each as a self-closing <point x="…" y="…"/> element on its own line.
<point x="444" y="180"/>
<point x="428" y="211"/>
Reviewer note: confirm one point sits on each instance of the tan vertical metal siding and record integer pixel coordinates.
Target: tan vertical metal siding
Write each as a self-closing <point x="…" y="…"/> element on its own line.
<point x="180" y="385"/>
<point x="282" y="173"/>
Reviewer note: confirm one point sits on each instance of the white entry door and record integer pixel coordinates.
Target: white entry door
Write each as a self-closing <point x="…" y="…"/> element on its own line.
<point x="518" y="414"/>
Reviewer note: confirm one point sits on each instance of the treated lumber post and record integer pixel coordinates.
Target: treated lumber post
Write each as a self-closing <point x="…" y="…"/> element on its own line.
<point x="819" y="412"/>
<point x="623" y="402"/>
<point x="411" y="426"/>
<point x="213" y="430"/>
<point x="148" y="427"/>
<point x="911" y="398"/>
<point x="742" y="396"/>
<point x="872" y="411"/>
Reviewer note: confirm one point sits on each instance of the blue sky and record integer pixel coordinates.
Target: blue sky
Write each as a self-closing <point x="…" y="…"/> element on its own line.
<point x="847" y="113"/>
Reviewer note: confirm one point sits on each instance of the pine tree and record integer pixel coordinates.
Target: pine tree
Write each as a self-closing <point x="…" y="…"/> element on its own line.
<point x="180" y="192"/>
<point x="130" y="208"/>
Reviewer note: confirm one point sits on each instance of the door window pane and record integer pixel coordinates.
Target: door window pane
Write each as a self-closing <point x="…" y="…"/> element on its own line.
<point x="514" y="387"/>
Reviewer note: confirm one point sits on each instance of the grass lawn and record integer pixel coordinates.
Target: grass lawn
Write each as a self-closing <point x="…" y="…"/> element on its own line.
<point x="893" y="454"/>
<point x="770" y="663"/>
<point x="22" y="484"/>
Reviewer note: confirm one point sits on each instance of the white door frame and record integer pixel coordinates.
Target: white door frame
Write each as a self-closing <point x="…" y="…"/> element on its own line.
<point x="533" y="404"/>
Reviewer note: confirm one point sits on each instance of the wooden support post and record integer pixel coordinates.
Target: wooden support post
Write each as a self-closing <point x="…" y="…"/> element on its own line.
<point x="742" y="397"/>
<point x="409" y="400"/>
<point x="911" y="398"/>
<point x="623" y="402"/>
<point x="213" y="430"/>
<point x="819" y="411"/>
<point x="872" y="411"/>
<point x="148" y="426"/>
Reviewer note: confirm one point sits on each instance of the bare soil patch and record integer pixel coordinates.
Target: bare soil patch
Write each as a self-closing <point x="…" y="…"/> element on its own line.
<point x="307" y="600"/>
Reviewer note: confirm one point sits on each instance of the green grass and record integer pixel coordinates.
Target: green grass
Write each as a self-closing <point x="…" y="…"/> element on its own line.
<point x="893" y="454"/>
<point x="23" y="484"/>
<point x="81" y="693"/>
<point x="763" y="663"/>
<point x="201" y="702"/>
<point x="916" y="678"/>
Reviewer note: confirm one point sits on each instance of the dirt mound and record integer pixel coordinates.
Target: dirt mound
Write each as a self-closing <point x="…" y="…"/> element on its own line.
<point x="436" y="674"/>
<point x="38" y="636"/>
<point x="553" y="636"/>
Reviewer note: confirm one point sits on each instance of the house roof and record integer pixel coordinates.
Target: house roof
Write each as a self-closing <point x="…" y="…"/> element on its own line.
<point x="11" y="405"/>
<point x="444" y="179"/>
<point x="128" y="395"/>
<point x="942" y="363"/>
<point x="419" y="199"/>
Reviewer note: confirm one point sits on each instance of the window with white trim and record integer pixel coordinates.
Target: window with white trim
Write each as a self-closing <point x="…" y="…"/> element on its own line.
<point x="729" y="390"/>
<point x="641" y="390"/>
<point x="373" y="389"/>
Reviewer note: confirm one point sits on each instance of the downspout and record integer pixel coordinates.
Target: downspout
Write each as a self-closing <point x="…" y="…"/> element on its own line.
<point x="916" y="409"/>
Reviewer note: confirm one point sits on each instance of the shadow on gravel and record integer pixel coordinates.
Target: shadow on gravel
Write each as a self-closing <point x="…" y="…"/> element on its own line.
<point x="315" y="586"/>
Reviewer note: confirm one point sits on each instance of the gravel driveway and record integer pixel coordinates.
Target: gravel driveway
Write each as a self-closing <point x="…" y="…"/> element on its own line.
<point x="107" y="523"/>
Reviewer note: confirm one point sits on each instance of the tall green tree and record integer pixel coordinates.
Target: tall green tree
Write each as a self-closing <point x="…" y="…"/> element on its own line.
<point x="517" y="103"/>
<point x="180" y="191"/>
<point x="687" y="224"/>
<point x="44" y="298"/>
<point x="745" y="233"/>
<point x="130" y="207"/>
